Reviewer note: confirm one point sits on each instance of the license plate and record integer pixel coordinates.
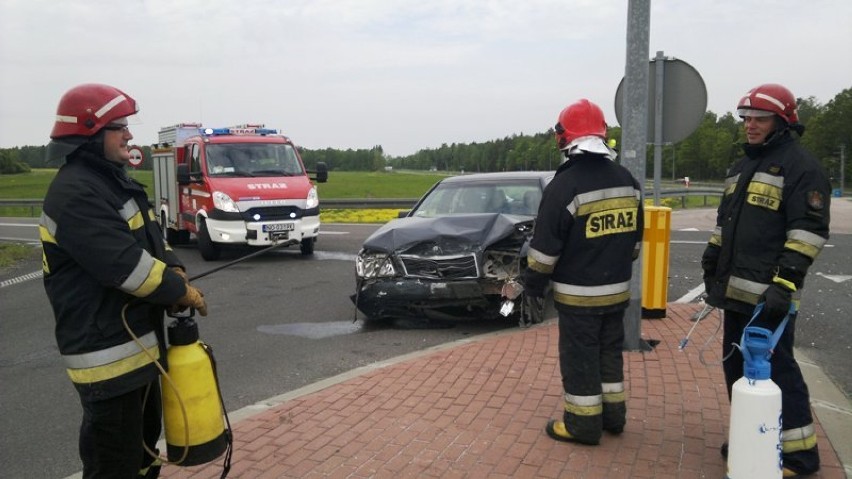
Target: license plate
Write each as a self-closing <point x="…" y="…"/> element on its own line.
<point x="278" y="227"/>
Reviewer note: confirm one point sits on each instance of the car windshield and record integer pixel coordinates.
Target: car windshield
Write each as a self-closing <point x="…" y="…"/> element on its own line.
<point x="518" y="197"/>
<point x="252" y="159"/>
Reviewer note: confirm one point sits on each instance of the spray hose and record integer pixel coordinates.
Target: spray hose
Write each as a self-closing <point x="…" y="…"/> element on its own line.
<point x="238" y="260"/>
<point x="168" y="379"/>
<point x="207" y="349"/>
<point x="228" y="431"/>
<point x="701" y="315"/>
<point x="794" y="306"/>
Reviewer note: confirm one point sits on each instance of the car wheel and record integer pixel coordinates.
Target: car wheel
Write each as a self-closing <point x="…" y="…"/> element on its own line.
<point x="307" y="246"/>
<point x="209" y="250"/>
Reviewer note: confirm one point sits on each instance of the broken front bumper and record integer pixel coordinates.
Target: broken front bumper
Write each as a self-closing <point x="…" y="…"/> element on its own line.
<point x="401" y="297"/>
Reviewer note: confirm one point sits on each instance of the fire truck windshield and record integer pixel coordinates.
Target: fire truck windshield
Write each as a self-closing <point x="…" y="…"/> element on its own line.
<point x="252" y="159"/>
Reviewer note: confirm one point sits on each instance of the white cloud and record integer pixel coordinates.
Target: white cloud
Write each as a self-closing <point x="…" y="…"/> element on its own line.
<point x="403" y="74"/>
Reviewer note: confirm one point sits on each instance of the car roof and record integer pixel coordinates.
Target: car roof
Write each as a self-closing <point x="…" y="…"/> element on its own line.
<point x="497" y="176"/>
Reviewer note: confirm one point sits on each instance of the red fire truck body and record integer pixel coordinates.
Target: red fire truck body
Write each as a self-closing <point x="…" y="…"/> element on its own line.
<point x="243" y="185"/>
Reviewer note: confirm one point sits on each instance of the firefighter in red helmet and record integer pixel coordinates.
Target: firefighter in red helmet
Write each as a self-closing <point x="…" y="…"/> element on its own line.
<point x="772" y="223"/>
<point x="109" y="276"/>
<point x="587" y="233"/>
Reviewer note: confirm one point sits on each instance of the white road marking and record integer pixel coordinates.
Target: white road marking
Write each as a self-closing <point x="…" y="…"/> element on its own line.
<point x="21" y="279"/>
<point x="19" y="224"/>
<point x="837" y="278"/>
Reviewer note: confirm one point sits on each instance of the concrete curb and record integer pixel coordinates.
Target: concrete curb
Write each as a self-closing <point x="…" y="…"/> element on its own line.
<point x="832" y="408"/>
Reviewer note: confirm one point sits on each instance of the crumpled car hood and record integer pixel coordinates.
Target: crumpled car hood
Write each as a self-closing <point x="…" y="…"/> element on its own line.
<point x="461" y="231"/>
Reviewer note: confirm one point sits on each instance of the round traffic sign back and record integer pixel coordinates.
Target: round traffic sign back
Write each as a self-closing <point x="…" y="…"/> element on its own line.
<point x="135" y="156"/>
<point x="683" y="104"/>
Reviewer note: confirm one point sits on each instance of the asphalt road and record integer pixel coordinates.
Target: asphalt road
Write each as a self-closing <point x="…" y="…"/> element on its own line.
<point x="281" y="321"/>
<point x="276" y="323"/>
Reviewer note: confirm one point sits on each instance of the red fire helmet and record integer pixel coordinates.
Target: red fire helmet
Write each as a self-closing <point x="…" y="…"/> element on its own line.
<point x="582" y="118"/>
<point x="85" y="109"/>
<point x="769" y="98"/>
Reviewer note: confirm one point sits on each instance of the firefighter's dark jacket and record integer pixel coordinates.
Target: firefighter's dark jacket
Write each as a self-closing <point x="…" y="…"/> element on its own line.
<point x="772" y="222"/>
<point x="587" y="233"/>
<point x="103" y="251"/>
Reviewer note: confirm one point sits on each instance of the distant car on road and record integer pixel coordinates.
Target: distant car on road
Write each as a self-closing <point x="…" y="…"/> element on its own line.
<point x="457" y="254"/>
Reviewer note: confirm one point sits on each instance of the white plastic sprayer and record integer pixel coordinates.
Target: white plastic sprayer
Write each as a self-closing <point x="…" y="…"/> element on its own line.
<point x="754" y="450"/>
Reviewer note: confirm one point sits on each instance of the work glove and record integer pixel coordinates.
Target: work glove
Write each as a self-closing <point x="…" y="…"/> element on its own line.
<point x="776" y="303"/>
<point x="193" y="298"/>
<point x="180" y="271"/>
<point x="709" y="274"/>
<point x="534" y="283"/>
<point x="709" y="269"/>
<point x="709" y="263"/>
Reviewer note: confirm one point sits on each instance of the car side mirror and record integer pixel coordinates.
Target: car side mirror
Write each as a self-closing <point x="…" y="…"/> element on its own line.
<point x="321" y="172"/>
<point x="183" y="174"/>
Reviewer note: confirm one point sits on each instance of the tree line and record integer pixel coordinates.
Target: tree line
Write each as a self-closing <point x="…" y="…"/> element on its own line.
<point x="704" y="155"/>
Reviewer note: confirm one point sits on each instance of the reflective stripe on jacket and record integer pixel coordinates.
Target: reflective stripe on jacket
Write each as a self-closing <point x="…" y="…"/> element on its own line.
<point x="773" y="220"/>
<point x="587" y="233"/>
<point x="104" y="262"/>
<point x="111" y="363"/>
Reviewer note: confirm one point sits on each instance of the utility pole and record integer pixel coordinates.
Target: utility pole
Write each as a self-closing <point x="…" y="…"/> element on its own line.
<point x="673" y="159"/>
<point x="659" y="73"/>
<point x="842" y="169"/>
<point x="634" y="139"/>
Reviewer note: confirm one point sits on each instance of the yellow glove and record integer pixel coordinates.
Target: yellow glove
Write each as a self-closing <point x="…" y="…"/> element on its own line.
<point x="193" y="298"/>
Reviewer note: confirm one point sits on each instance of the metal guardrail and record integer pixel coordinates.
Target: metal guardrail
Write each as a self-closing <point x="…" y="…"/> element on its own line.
<point x="33" y="205"/>
<point x="367" y="203"/>
<point x="346" y="203"/>
<point x="398" y="203"/>
<point x="683" y="193"/>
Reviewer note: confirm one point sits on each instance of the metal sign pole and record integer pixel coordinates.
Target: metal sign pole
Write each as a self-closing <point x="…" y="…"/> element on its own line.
<point x="842" y="169"/>
<point x="659" y="71"/>
<point x="634" y="136"/>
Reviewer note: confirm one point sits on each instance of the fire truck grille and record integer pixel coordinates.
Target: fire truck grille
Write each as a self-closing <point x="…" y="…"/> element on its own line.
<point x="272" y="213"/>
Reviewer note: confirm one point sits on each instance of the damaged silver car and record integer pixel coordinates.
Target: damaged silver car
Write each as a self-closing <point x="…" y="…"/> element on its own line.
<point x="457" y="254"/>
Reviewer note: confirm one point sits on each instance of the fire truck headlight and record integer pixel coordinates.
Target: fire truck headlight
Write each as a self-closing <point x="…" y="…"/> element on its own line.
<point x="313" y="199"/>
<point x="372" y="265"/>
<point x="223" y="202"/>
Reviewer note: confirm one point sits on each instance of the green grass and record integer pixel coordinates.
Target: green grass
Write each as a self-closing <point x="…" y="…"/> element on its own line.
<point x="341" y="184"/>
<point x="352" y="184"/>
<point x="33" y="185"/>
<point x="10" y="253"/>
<point x="26" y="185"/>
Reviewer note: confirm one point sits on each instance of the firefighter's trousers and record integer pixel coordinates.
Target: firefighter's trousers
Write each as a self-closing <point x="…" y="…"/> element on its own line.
<point x="592" y="367"/>
<point x="112" y="432"/>
<point x="798" y="437"/>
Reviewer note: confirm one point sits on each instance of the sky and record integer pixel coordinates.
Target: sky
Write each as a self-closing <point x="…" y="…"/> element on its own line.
<point x="404" y="74"/>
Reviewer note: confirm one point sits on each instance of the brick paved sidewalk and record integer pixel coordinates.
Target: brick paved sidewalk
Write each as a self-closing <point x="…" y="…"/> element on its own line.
<point x="478" y="410"/>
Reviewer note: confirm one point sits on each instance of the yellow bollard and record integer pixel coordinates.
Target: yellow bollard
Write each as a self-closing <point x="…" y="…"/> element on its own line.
<point x="655" y="261"/>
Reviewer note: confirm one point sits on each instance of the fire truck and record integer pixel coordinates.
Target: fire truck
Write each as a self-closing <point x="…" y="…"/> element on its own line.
<point x="239" y="185"/>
